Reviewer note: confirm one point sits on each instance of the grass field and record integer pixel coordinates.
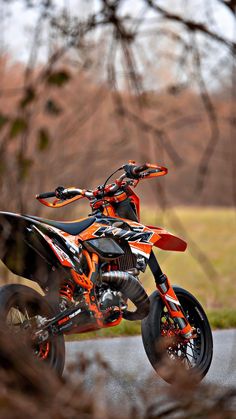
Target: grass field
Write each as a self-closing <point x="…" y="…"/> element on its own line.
<point x="219" y="319"/>
<point x="207" y="268"/>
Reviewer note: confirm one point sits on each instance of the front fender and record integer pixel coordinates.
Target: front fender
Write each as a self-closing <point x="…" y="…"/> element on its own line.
<point x="168" y="241"/>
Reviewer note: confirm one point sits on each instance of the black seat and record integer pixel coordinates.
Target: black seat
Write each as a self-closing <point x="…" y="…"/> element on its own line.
<point x="73" y="228"/>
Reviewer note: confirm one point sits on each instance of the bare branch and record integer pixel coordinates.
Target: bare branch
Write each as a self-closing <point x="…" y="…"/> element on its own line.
<point x="191" y="25"/>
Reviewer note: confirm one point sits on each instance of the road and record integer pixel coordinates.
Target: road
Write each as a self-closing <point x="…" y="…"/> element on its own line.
<point x="127" y="356"/>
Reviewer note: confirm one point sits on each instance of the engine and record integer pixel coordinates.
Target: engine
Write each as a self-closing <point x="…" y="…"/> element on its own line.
<point x="110" y="303"/>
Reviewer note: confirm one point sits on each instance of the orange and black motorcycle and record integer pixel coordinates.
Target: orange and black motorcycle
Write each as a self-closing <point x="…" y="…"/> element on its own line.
<point x="89" y="271"/>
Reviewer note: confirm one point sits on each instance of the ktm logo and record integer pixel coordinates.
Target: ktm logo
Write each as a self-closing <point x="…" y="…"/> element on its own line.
<point x="130" y="236"/>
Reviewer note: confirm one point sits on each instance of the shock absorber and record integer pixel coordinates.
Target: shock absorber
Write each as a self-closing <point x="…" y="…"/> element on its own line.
<point x="66" y="292"/>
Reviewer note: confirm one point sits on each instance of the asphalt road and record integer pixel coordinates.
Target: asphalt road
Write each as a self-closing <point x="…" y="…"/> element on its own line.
<point x="127" y="357"/>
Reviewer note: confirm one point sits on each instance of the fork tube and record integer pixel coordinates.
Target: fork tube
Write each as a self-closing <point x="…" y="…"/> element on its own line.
<point x="169" y="297"/>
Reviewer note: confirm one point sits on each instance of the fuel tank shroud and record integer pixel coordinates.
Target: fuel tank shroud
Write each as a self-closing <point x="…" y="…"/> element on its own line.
<point x="131" y="236"/>
<point x="104" y="247"/>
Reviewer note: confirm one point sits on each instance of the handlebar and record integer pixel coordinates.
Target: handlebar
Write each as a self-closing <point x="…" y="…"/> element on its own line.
<point x="132" y="171"/>
<point x="46" y="195"/>
<point x="140" y="169"/>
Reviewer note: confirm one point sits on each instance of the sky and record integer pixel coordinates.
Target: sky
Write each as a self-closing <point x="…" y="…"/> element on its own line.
<point x="16" y="28"/>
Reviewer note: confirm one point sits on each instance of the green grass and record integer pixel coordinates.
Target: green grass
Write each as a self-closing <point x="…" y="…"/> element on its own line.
<point x="219" y="319"/>
<point x="222" y="319"/>
<point x="213" y="230"/>
<point x="125" y="328"/>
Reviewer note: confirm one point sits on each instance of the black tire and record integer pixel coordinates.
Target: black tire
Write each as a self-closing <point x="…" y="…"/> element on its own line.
<point x="19" y="300"/>
<point x="152" y="329"/>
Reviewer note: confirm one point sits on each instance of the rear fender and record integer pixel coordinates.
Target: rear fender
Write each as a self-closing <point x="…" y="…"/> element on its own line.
<point x="24" y="250"/>
<point x="168" y="241"/>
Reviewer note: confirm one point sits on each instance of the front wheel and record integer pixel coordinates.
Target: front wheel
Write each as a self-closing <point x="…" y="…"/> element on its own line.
<point x="20" y="308"/>
<point x="196" y="353"/>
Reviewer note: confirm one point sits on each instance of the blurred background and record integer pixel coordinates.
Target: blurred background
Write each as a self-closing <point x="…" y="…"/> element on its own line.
<point x="87" y="85"/>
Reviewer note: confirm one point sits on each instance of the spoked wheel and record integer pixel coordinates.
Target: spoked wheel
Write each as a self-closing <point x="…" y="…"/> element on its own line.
<point x="188" y="351"/>
<point x="22" y="320"/>
<point x="159" y="332"/>
<point x="22" y="309"/>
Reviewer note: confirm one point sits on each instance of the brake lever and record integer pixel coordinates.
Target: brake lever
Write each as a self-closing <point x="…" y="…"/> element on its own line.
<point x="132" y="182"/>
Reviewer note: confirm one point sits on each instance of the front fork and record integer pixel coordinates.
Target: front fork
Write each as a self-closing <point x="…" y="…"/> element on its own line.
<point x="169" y="298"/>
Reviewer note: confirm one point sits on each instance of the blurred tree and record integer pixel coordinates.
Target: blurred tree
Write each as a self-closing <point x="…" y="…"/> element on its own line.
<point x="130" y="71"/>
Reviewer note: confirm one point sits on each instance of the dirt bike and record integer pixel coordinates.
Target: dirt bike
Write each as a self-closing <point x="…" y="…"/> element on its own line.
<point x="88" y="270"/>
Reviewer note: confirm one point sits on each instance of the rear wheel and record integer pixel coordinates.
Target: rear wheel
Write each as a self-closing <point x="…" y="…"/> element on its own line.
<point x="21" y="308"/>
<point x="196" y="353"/>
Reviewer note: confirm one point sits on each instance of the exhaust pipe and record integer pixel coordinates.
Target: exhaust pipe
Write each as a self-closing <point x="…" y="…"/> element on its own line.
<point x="132" y="289"/>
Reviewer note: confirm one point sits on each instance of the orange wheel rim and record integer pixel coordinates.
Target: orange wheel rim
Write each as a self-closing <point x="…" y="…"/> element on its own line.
<point x="44" y="350"/>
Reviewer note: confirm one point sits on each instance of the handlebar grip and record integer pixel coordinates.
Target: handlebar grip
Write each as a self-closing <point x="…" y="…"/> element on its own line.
<point x="138" y="169"/>
<point x="133" y="171"/>
<point x="46" y="195"/>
